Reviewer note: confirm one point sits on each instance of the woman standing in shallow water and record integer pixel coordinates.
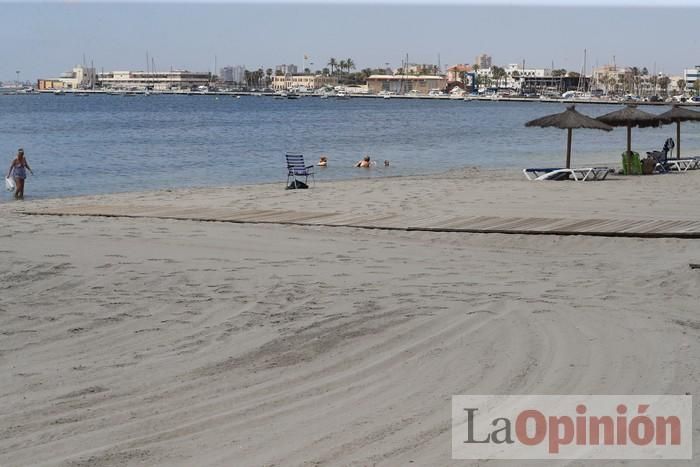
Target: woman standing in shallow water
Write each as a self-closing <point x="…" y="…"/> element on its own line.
<point x="18" y="170"/>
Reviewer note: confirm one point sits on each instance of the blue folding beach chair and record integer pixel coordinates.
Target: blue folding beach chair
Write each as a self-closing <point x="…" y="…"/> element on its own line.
<point x="297" y="168"/>
<point x="661" y="157"/>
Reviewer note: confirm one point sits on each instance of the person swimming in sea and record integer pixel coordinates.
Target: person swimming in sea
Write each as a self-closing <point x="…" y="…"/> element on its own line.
<point x="323" y="161"/>
<point x="364" y="163"/>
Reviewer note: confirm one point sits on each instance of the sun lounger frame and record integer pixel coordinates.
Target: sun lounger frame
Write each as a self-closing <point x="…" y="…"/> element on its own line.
<point x="579" y="174"/>
<point x="679" y="165"/>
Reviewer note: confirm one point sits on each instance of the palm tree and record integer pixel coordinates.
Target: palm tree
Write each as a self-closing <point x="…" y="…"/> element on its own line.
<point x="681" y="85"/>
<point x="498" y="73"/>
<point x="634" y="80"/>
<point x="349" y="64"/>
<point x="342" y="65"/>
<point x="259" y="74"/>
<point x="333" y="64"/>
<point x="664" y="81"/>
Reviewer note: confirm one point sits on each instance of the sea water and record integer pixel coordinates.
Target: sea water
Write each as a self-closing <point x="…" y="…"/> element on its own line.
<point x="107" y="143"/>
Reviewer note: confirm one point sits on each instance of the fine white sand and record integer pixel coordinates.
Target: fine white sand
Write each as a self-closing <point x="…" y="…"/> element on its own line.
<point x="162" y="342"/>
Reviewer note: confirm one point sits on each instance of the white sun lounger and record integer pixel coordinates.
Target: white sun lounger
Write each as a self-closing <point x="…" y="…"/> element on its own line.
<point x="681" y="165"/>
<point x="582" y="174"/>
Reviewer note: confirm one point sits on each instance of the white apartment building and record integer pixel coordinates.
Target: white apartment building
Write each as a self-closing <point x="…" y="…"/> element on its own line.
<point x="161" y="80"/>
<point x="287" y="82"/>
<point x="238" y="74"/>
<point x="232" y="74"/>
<point x="79" y="78"/>
<point x="528" y="72"/>
<point x="226" y="74"/>
<point x="691" y="75"/>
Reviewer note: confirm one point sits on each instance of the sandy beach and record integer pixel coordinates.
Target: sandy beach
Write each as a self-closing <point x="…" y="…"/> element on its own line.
<point x="155" y="341"/>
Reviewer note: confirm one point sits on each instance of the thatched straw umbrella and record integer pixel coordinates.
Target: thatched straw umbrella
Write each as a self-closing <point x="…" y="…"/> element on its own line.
<point x="630" y="117"/>
<point x="679" y="114"/>
<point x="569" y="120"/>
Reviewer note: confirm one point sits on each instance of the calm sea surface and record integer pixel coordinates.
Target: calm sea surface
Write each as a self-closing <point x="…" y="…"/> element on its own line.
<point x="102" y="144"/>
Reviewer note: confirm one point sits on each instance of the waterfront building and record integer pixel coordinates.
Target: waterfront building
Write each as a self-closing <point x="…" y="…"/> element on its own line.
<point x="45" y="84"/>
<point x="232" y="74"/>
<point x="484" y="61"/>
<point x="161" y="80"/>
<point x="238" y="74"/>
<point x="630" y="80"/>
<point x="611" y="78"/>
<point x="673" y="84"/>
<point x="286" y="69"/>
<point x="422" y="69"/>
<point x="400" y="84"/>
<point x="518" y="70"/>
<point x="515" y="74"/>
<point x="310" y="82"/>
<point x="80" y="77"/>
<point x="456" y="72"/>
<point x="691" y="75"/>
<point x="226" y="74"/>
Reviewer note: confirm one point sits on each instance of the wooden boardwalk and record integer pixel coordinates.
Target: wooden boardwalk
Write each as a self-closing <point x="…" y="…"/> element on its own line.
<point x="648" y="228"/>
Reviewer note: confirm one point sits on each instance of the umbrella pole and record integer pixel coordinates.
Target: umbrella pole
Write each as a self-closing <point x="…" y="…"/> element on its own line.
<point x="678" y="139"/>
<point x="629" y="140"/>
<point x="568" y="150"/>
<point x="628" y="155"/>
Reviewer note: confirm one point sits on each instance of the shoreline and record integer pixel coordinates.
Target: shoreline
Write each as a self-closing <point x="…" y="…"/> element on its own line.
<point x="508" y="172"/>
<point x="403" y="201"/>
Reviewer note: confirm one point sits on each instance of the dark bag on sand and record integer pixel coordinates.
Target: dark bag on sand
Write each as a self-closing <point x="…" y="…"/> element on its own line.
<point x="296" y="184"/>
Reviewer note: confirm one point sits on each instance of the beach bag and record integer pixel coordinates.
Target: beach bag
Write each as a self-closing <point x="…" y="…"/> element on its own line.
<point x="9" y="184"/>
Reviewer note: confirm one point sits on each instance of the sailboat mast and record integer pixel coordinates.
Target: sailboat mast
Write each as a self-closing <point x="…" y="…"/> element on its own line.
<point x="584" y="70"/>
<point x="405" y="72"/>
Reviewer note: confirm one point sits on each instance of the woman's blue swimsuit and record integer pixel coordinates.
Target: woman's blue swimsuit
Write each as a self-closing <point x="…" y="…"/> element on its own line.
<point x="19" y="172"/>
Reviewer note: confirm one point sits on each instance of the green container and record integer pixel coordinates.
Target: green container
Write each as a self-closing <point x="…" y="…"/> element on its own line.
<point x="631" y="164"/>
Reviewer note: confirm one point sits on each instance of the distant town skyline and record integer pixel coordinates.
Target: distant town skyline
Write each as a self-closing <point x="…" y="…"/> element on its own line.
<point x="41" y="40"/>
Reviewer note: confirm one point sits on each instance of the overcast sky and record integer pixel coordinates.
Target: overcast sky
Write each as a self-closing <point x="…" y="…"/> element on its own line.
<point x="43" y="39"/>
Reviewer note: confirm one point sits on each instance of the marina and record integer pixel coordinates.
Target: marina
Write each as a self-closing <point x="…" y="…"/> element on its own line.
<point x="342" y="95"/>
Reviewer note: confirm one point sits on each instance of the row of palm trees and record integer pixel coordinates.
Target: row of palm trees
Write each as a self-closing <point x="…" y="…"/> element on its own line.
<point x="640" y="83"/>
<point x="637" y="81"/>
<point x="341" y="66"/>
